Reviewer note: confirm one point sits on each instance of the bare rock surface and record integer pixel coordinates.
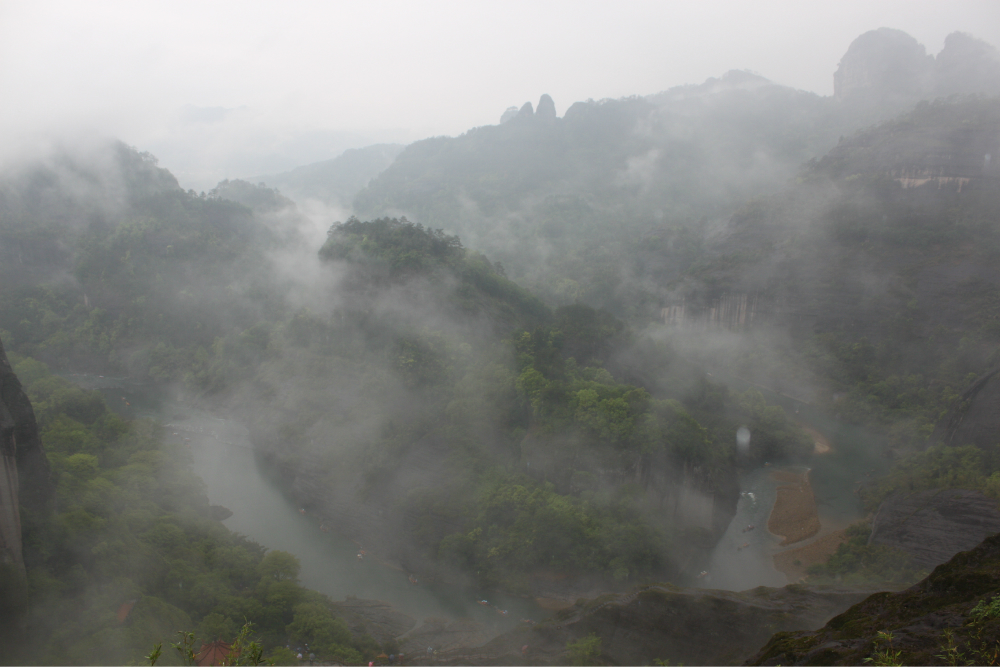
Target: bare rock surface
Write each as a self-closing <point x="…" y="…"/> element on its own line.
<point x="932" y="526"/>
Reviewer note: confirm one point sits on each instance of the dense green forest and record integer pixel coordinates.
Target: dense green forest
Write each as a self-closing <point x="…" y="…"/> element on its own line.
<point x="132" y="553"/>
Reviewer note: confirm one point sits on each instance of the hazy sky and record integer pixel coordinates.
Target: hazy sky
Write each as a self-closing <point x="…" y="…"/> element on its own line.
<point x="227" y="89"/>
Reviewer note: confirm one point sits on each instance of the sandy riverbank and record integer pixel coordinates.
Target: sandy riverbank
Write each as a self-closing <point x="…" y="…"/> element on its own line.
<point x="793" y="517"/>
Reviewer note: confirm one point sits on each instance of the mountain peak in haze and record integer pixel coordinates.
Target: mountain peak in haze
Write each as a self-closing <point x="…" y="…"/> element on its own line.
<point x="888" y="64"/>
<point x="546" y="107"/>
<point x="885" y="62"/>
<point x="967" y="64"/>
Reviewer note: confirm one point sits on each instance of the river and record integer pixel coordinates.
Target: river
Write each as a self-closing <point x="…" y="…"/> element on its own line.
<point x="235" y="479"/>
<point x="855" y="456"/>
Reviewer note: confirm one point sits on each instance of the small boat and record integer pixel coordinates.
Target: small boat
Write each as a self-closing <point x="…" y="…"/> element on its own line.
<point x="485" y="603"/>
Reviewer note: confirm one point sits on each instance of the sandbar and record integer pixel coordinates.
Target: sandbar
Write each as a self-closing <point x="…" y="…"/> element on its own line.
<point x="793" y="517"/>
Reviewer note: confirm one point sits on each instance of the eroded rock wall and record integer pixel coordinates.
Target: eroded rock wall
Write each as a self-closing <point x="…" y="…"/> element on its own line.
<point x="35" y="485"/>
<point x="932" y="526"/>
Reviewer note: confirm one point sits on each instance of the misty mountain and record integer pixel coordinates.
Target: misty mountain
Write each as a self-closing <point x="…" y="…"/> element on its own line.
<point x="334" y="182"/>
<point x="536" y="191"/>
<point x="878" y="265"/>
<point x="521" y="366"/>
<point x="401" y="385"/>
<point x="889" y="68"/>
<point x="567" y="204"/>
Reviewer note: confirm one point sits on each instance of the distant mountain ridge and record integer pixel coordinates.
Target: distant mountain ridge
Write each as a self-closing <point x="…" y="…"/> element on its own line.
<point x="334" y="182"/>
<point x="565" y="203"/>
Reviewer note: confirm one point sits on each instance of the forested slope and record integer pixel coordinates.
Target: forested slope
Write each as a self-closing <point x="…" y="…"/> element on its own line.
<point x="406" y="389"/>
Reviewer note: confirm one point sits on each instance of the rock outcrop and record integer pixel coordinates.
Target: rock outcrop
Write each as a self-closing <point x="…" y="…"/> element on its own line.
<point x="888" y="65"/>
<point x="883" y="62"/>
<point x="546" y="108"/>
<point x="664" y="622"/>
<point x="24" y="480"/>
<point x="976" y="421"/>
<point x="966" y="65"/>
<point x="932" y="526"/>
<point x="32" y="465"/>
<point x="919" y="618"/>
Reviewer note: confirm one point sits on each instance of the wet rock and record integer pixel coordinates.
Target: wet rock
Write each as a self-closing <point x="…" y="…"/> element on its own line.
<point x="25" y="482"/>
<point x="35" y="479"/>
<point x="932" y="526"/>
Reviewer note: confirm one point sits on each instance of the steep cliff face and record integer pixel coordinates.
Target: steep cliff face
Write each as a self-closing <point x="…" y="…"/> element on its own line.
<point x="976" y="421"/>
<point x="888" y="66"/>
<point x="883" y="62"/>
<point x="10" y="516"/>
<point x="35" y="486"/>
<point x="24" y="480"/>
<point x="932" y="526"/>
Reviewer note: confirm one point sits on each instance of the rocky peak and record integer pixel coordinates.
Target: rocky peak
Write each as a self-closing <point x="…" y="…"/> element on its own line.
<point x="966" y="65"/>
<point x="526" y="111"/>
<point x="546" y="107"/>
<point x="883" y="63"/>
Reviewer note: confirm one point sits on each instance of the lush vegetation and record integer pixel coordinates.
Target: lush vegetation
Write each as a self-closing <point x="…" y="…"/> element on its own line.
<point x="406" y="372"/>
<point x="541" y="455"/>
<point x="940" y="467"/>
<point x="396" y="368"/>
<point x="857" y="562"/>
<point x="132" y="554"/>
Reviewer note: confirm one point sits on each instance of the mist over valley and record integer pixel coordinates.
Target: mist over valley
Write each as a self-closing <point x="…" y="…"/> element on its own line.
<point x="702" y="376"/>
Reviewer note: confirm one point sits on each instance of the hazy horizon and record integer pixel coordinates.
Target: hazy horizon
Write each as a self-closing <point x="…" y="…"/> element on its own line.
<point x="232" y="90"/>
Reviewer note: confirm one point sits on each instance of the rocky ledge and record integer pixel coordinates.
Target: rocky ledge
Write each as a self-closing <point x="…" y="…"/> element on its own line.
<point x="929" y="623"/>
